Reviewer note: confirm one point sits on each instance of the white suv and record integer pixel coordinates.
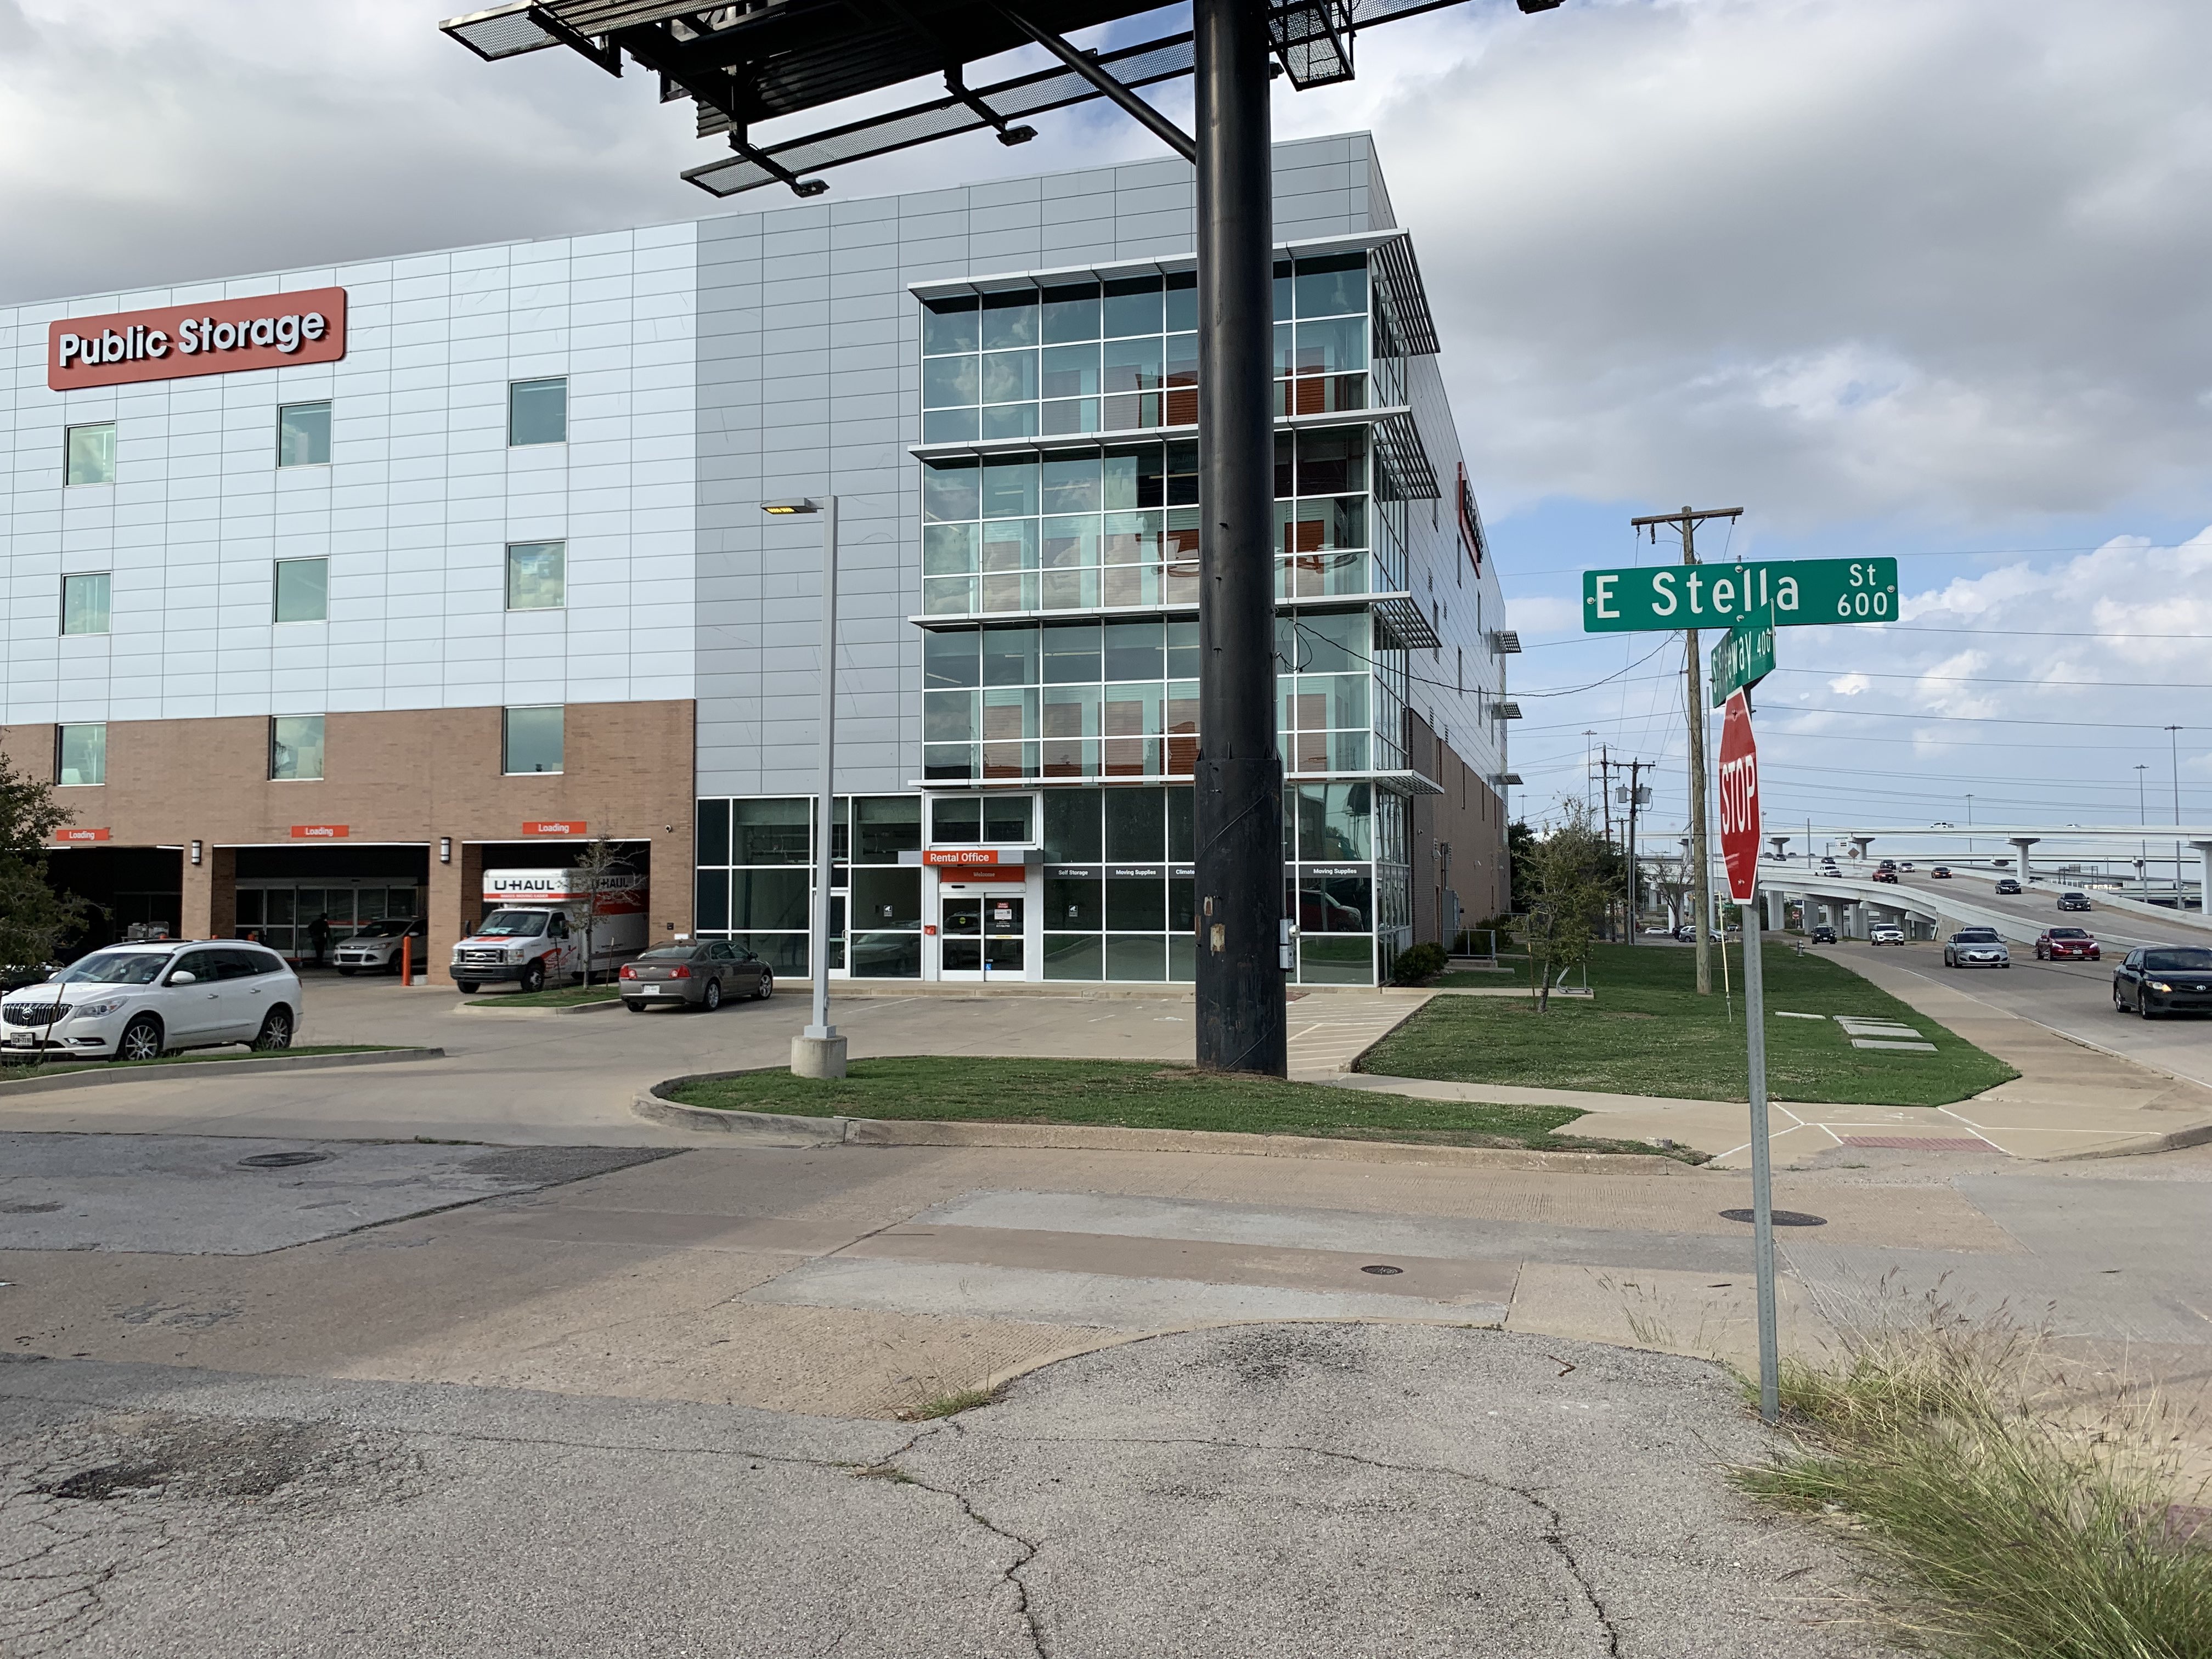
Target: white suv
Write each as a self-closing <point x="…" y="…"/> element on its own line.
<point x="377" y="945"/>
<point x="141" y="1001"/>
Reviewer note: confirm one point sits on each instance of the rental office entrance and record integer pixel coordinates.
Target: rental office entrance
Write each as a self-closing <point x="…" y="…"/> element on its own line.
<point x="983" y="928"/>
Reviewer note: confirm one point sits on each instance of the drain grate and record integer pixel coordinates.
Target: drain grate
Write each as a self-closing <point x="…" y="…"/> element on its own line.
<point x="1382" y="1267"/>
<point x="1922" y="1143"/>
<point x="282" y="1160"/>
<point x="1781" y="1218"/>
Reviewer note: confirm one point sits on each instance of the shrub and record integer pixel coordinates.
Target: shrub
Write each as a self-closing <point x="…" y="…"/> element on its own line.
<point x="1418" y="964"/>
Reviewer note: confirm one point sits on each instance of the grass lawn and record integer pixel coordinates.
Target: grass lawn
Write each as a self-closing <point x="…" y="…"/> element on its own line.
<point x="565" y="996"/>
<point x="1648" y="1032"/>
<point x="13" y="1070"/>
<point x="1133" y="1095"/>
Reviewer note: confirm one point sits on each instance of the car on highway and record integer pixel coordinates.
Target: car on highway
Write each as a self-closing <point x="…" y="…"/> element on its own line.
<point x="141" y="1001"/>
<point x="2007" y="885"/>
<point x="1975" y="947"/>
<point x="2164" y="978"/>
<point x="378" y="945"/>
<point x="1885" y="874"/>
<point x="1887" y="864"/>
<point x="2067" y="944"/>
<point x="1907" y="865"/>
<point x="1884" y="935"/>
<point x="1824" y="935"/>
<point x="697" y="975"/>
<point x="1940" y="873"/>
<point x="2075" y="902"/>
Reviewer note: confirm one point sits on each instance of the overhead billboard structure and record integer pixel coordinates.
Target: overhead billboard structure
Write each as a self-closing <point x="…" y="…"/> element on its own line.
<point x="761" y="62"/>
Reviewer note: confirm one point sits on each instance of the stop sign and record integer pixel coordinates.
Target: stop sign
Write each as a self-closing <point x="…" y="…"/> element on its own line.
<point x="1739" y="782"/>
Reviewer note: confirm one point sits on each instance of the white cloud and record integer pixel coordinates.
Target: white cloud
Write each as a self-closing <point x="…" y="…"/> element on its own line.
<point x="1839" y="258"/>
<point x="1849" y="685"/>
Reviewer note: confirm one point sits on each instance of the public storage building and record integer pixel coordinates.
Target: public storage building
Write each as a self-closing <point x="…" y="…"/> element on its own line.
<point x="478" y="569"/>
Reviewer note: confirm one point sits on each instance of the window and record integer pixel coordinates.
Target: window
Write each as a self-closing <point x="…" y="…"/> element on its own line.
<point x="537" y="575"/>
<point x="529" y="739"/>
<point x="303" y="435"/>
<point x="81" y="754"/>
<point x="295" y="748"/>
<point x="92" y="454"/>
<point x="84" y="603"/>
<point x="538" y="412"/>
<point x="303" y="590"/>
<point x="754" y="885"/>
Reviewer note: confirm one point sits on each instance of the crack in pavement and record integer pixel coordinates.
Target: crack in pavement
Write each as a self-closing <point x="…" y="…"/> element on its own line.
<point x="1010" y="1575"/>
<point x="1553" y="1537"/>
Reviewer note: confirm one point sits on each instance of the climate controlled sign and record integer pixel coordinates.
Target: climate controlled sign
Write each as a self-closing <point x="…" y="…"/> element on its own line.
<point x="223" y="336"/>
<point x="1801" y="592"/>
<point x="1739" y="792"/>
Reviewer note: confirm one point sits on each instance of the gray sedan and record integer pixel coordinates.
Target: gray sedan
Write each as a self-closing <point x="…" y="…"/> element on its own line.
<point x="697" y="975"/>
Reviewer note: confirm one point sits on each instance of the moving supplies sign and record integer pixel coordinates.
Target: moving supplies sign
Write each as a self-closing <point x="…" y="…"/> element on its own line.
<point x="221" y="336"/>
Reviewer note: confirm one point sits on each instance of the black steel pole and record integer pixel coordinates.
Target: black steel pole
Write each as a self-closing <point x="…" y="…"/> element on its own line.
<point x="1239" y="774"/>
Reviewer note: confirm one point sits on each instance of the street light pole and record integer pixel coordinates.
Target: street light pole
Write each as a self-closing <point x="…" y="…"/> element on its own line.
<point x="819" y="1051"/>
<point x="2142" y="817"/>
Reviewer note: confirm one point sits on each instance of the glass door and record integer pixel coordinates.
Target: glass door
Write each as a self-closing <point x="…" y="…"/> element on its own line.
<point x="1002" y="932"/>
<point x="960" y="935"/>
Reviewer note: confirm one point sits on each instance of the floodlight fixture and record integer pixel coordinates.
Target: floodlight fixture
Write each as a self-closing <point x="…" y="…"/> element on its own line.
<point x="756" y="62"/>
<point x="782" y="509"/>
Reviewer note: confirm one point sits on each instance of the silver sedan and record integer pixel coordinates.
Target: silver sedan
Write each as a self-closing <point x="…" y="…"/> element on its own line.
<point x="698" y="975"/>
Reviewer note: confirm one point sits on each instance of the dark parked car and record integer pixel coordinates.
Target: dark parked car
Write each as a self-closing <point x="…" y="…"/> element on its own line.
<point x="2164" y="978"/>
<point x="1885" y="874"/>
<point x="2075" y="902"/>
<point x="697" y="975"/>
<point x="1824" y="935"/>
<point x="2008" y="884"/>
<point x="2066" y="945"/>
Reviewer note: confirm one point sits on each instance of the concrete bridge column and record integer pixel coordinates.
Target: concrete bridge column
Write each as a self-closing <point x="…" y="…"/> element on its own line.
<point x="2204" y="876"/>
<point x="2023" y="842"/>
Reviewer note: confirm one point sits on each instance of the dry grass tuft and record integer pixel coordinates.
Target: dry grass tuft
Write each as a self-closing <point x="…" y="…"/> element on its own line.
<point x="2034" y="1520"/>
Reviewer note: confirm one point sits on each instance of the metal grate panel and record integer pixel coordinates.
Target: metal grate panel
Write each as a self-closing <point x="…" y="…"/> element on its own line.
<point x="1398" y="274"/>
<point x="1029" y="95"/>
<point x="502" y="31"/>
<point x="1405" y="461"/>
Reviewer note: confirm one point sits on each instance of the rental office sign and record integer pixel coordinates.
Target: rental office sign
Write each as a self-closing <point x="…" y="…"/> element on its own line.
<point x="222" y="337"/>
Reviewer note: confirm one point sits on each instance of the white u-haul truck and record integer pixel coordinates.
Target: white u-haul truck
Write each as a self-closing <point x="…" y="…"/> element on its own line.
<point x="535" y="924"/>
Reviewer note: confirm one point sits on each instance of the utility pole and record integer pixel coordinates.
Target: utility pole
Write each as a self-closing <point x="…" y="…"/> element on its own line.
<point x="1701" y="876"/>
<point x="1635" y="799"/>
<point x="1605" y="806"/>
<point x="2142" y="817"/>
<point x="2173" y="747"/>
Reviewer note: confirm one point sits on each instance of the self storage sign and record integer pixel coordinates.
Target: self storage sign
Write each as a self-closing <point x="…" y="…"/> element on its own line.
<point x="222" y="337"/>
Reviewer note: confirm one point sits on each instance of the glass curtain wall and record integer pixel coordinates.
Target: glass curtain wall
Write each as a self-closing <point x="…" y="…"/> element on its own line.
<point x="755" y="881"/>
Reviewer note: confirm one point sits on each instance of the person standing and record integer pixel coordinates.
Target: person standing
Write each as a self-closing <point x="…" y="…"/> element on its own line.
<point x="319" y="937"/>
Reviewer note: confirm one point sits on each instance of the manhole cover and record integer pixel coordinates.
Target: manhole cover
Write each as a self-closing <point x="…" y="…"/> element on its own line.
<point x="1781" y="1218"/>
<point x="281" y="1160"/>
<point x="1382" y="1268"/>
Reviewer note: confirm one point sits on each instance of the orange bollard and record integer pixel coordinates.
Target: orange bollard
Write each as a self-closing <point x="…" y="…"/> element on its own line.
<point x="407" y="959"/>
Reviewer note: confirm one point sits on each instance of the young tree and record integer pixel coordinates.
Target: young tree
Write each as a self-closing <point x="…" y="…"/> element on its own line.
<point x="33" y="918"/>
<point x="601" y="861"/>
<point x="1570" y="881"/>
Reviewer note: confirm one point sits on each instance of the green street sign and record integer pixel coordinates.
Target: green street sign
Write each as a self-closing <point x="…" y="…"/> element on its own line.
<point x="1744" y="656"/>
<point x="1801" y="592"/>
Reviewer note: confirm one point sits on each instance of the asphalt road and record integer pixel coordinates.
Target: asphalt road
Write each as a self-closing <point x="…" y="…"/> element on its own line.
<point x="1287" y="1490"/>
<point x="2074" y="999"/>
<point x="2038" y="908"/>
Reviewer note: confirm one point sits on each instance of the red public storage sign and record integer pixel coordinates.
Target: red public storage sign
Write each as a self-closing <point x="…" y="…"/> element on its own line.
<point x="319" y="831"/>
<point x="1740" y="818"/>
<point x="222" y="337"/>
<point x="80" y="835"/>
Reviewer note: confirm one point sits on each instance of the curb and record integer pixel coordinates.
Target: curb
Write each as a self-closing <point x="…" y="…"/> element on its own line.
<point x="784" y="1129"/>
<point x="88" y="1079"/>
<point x="499" y="1006"/>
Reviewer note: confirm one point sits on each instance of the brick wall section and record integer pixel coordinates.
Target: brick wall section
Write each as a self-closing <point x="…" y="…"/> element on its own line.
<point x="410" y="776"/>
<point x="1469" y="819"/>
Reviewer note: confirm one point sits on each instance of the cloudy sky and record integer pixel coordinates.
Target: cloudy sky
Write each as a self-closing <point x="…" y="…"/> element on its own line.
<point x="1920" y="277"/>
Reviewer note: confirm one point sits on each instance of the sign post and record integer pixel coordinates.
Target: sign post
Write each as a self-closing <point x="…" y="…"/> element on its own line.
<point x="1739" y="838"/>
